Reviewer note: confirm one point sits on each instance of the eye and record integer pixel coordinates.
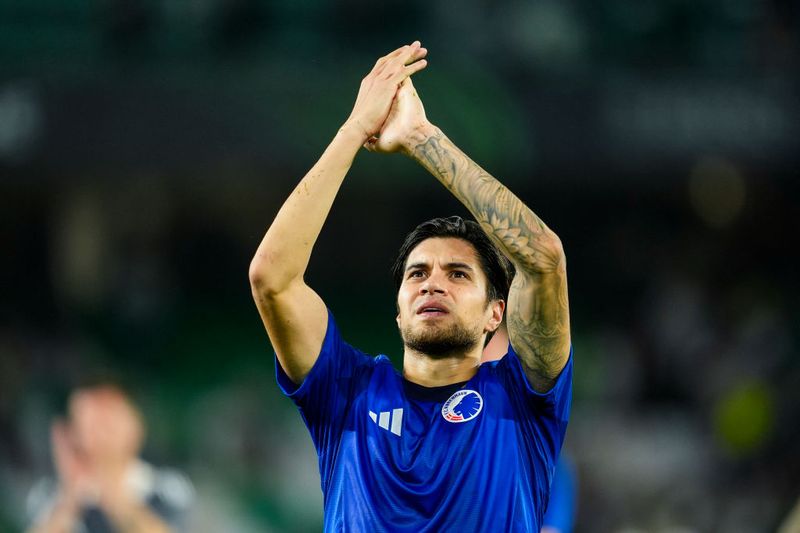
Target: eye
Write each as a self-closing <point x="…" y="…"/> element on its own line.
<point x="415" y="274"/>
<point x="459" y="274"/>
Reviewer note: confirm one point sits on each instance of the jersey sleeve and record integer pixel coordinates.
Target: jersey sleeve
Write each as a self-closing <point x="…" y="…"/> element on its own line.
<point x="326" y="393"/>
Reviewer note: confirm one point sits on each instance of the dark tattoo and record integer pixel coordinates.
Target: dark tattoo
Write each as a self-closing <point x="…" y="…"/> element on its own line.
<point x="537" y="311"/>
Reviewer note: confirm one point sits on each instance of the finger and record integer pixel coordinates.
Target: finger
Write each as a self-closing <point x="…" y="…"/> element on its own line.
<point x="63" y="455"/>
<point x="413" y="68"/>
<point x="407" y="49"/>
<point x="406" y="88"/>
<point x="408" y="53"/>
<point x="417" y="54"/>
<point x="58" y="433"/>
<point x="403" y="53"/>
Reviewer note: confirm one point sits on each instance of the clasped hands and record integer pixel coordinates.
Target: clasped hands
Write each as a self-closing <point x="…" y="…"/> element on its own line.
<point x="388" y="112"/>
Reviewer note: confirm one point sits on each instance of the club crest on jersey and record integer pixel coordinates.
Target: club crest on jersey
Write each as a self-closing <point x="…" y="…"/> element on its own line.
<point x="462" y="406"/>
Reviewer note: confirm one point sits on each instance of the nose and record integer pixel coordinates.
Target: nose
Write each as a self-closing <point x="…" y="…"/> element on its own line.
<point x="433" y="285"/>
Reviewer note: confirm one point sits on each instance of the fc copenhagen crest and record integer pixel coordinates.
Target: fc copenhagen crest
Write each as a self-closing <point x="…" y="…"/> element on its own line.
<point x="462" y="406"/>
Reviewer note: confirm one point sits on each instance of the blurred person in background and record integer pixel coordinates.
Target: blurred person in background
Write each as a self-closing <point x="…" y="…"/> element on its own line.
<point x="449" y="445"/>
<point x="103" y="485"/>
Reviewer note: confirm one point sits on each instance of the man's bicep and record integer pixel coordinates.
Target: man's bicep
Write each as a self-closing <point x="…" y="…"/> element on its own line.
<point x="296" y="320"/>
<point x="538" y="325"/>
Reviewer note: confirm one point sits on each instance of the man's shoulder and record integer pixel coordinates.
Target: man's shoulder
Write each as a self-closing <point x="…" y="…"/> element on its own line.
<point x="167" y="487"/>
<point x="41" y="497"/>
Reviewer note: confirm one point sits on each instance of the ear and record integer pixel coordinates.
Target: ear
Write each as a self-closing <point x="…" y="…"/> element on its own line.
<point x="397" y="318"/>
<point x="497" y="308"/>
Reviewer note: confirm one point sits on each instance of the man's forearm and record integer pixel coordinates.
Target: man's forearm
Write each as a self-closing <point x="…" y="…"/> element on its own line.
<point x="522" y="235"/>
<point x="284" y="253"/>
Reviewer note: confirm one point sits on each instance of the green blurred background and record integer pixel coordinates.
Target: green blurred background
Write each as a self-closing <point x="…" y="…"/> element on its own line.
<point x="146" y="146"/>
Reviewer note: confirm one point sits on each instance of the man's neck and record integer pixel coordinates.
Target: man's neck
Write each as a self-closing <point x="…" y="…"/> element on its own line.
<point x="435" y="372"/>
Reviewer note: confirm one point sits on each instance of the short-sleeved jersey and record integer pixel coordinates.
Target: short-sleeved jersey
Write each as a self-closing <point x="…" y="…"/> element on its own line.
<point x="481" y="460"/>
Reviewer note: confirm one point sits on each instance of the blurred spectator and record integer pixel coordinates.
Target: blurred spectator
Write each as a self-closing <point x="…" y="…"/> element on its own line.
<point x="102" y="484"/>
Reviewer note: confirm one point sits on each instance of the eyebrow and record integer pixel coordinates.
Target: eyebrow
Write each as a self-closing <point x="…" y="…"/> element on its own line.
<point x="449" y="266"/>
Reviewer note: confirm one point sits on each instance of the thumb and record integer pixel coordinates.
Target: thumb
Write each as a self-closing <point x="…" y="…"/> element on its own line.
<point x="406" y="88"/>
<point x="408" y="97"/>
<point x="59" y="436"/>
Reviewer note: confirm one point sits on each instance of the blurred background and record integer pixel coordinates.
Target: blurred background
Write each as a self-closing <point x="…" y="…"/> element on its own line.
<point x="145" y="147"/>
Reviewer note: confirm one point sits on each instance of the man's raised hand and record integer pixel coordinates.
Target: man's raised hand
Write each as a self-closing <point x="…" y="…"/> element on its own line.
<point x="379" y="87"/>
<point x="73" y="472"/>
<point x="406" y="121"/>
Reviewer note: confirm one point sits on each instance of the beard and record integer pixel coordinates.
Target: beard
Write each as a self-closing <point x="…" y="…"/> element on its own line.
<point x="440" y="343"/>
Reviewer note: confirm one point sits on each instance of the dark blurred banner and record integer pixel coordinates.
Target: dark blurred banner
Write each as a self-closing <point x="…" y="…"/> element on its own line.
<point x="124" y="82"/>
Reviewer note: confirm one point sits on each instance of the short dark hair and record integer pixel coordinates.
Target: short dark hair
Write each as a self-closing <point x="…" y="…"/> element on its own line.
<point x="496" y="266"/>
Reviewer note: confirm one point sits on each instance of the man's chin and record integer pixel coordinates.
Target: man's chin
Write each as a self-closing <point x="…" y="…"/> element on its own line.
<point x="439" y="344"/>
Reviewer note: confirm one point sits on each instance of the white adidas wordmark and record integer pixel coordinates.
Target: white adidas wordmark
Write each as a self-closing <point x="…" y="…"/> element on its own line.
<point x="385" y="418"/>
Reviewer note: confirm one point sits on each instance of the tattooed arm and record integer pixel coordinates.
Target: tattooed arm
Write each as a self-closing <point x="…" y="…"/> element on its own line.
<point x="537" y="311"/>
<point x="294" y="316"/>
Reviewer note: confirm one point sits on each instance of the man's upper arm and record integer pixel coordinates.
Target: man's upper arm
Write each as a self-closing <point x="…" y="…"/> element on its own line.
<point x="538" y="323"/>
<point x="296" y="319"/>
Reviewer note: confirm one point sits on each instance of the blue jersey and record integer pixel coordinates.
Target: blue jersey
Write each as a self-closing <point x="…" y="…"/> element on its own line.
<point x="481" y="460"/>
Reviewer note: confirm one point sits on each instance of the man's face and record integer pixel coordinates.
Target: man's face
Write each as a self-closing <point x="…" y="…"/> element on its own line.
<point x="442" y="304"/>
<point x="104" y="425"/>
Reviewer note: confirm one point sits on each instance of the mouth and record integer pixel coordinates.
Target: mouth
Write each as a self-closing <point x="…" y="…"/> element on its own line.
<point x="431" y="310"/>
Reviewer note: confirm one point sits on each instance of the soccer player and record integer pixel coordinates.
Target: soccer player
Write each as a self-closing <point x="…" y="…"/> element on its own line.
<point x="449" y="444"/>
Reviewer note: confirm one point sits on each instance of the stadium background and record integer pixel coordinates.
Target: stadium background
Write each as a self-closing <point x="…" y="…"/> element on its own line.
<point x="145" y="147"/>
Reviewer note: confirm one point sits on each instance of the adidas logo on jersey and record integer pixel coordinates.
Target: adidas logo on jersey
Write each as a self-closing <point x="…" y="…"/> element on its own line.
<point x="389" y="420"/>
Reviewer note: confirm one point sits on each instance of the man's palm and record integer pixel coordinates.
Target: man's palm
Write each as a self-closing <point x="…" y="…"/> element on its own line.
<point x="406" y="115"/>
<point x="73" y="472"/>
